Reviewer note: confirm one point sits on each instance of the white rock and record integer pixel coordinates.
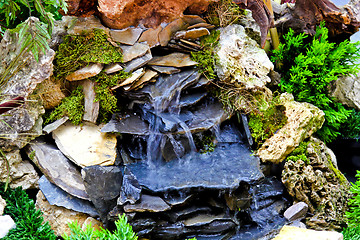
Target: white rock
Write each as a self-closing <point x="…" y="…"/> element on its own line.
<point x="86" y="145"/>
<point x="6" y="224"/>
<point x="2" y="205"/>
<point x="85" y="72"/>
<point x="240" y="58"/>
<point x="54" y="125"/>
<point x="347" y="91"/>
<point x="296" y="211"/>
<point x="295" y="233"/>
<point x="91" y="106"/>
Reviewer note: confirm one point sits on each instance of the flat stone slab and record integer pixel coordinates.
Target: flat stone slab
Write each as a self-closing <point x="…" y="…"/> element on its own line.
<point x="173" y="60"/>
<point x="56" y="196"/>
<point x="126" y="123"/>
<point x="295" y="233"/>
<point x="85" y="72"/>
<point x="127" y="36"/>
<point x="148" y="203"/>
<point x="135" y="51"/>
<point x="224" y="168"/>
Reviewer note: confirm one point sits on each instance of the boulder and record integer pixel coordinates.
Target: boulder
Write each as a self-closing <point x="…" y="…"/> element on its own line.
<point x="22" y="173"/>
<point x="240" y="59"/>
<point x="85" y="145"/>
<point x="295" y="233"/>
<point x="6" y="224"/>
<point x="303" y="119"/>
<point x="347" y="91"/>
<point x="2" y="205"/>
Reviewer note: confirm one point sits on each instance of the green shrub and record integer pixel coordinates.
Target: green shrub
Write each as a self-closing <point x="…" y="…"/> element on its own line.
<point x="308" y="69"/>
<point x="29" y="221"/>
<point x="353" y="215"/>
<point x="351" y="233"/>
<point x="351" y="128"/>
<point x="123" y="231"/>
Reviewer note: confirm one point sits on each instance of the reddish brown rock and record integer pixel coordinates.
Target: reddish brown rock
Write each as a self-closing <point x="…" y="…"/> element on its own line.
<point x="148" y="13"/>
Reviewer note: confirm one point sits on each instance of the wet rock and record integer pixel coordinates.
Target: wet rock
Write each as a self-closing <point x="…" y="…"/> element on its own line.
<point x="130" y="189"/>
<point x="138" y="62"/>
<point x="303" y="119"/>
<point x="112" y="68"/>
<point x="58" y="217"/>
<point x="149" y="75"/>
<point x="202" y="220"/>
<point x="151" y="36"/>
<point x="22" y="173"/>
<point x="91" y="107"/>
<point x="296" y="211"/>
<point x="6" y="223"/>
<point x="126" y="123"/>
<point x="103" y="185"/>
<point x="170" y="231"/>
<point x="241" y="60"/>
<point x="294" y="233"/>
<point x="50" y="93"/>
<point x="320" y="185"/>
<point x="135" y="51"/>
<point x="206" y="171"/>
<point x="173" y="60"/>
<point x="96" y="148"/>
<point x="347" y="90"/>
<point x="269" y="214"/>
<point x="85" y="72"/>
<point x="192" y="33"/>
<point x="143" y="225"/>
<point x="148" y="203"/>
<point x="165" y="70"/>
<point x="127" y="36"/>
<point x="202" y="82"/>
<point x="2" y="205"/>
<point x="217" y="227"/>
<point x="57" y="168"/>
<point x="177" y="199"/>
<point x="187" y="213"/>
<point x="54" y="125"/>
<point x="56" y="196"/>
<point x="188" y="100"/>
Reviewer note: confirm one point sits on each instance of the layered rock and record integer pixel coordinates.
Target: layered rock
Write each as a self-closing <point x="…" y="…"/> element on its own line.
<point x="303" y="119"/>
<point x="295" y="233"/>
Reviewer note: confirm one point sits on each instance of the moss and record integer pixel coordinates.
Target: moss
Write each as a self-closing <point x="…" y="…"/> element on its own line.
<point x="206" y="57"/>
<point x="223" y="13"/>
<point x="71" y="106"/>
<point x="78" y="51"/>
<point x="205" y="142"/>
<point x="299" y="153"/>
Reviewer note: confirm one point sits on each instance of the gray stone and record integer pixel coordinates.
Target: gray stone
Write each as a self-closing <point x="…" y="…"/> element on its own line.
<point x="138" y="62"/>
<point x="188" y="212"/>
<point x="54" y="125"/>
<point x="103" y="185"/>
<point x="85" y="72"/>
<point x="2" y="205"/>
<point x="165" y="70"/>
<point x="127" y="36"/>
<point x="135" y="51"/>
<point x="112" y="68"/>
<point x="188" y="100"/>
<point x="217" y="226"/>
<point x="202" y="220"/>
<point x="296" y="211"/>
<point x="205" y="171"/>
<point x="241" y="60"/>
<point x="126" y="123"/>
<point x="173" y="60"/>
<point x="203" y="81"/>
<point x="96" y="148"/>
<point x="22" y="172"/>
<point x="134" y="77"/>
<point x="130" y="189"/>
<point x="149" y="75"/>
<point x="297" y="223"/>
<point x="57" y="168"/>
<point x="194" y="33"/>
<point x="347" y="91"/>
<point x="91" y="107"/>
<point x="177" y="199"/>
<point x="6" y="223"/>
<point x="148" y="203"/>
<point x="56" y="196"/>
<point x="78" y="25"/>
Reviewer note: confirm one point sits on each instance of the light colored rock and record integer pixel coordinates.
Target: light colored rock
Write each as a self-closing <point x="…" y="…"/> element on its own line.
<point x="148" y="76"/>
<point x="134" y="76"/>
<point x="192" y="33"/>
<point x="296" y="211"/>
<point x="6" y="224"/>
<point x="127" y="36"/>
<point x="90" y="221"/>
<point x="77" y="26"/>
<point x="91" y="107"/>
<point x="297" y="223"/>
<point x="240" y="59"/>
<point x="50" y="93"/>
<point x="2" y="205"/>
<point x="304" y="119"/>
<point x="135" y="51"/>
<point x="165" y="70"/>
<point x="167" y="32"/>
<point x="58" y="217"/>
<point x="85" y="72"/>
<point x="85" y="145"/>
<point x="138" y="62"/>
<point x="173" y="60"/>
<point x="347" y="91"/>
<point x="148" y="203"/>
<point x="151" y="36"/>
<point x="54" y="125"/>
<point x="112" y="68"/>
<point x="22" y="173"/>
<point x="295" y="233"/>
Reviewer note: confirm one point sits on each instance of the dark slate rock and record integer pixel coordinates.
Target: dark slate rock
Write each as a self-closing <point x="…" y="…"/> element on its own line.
<point x="168" y="231"/>
<point x="165" y="70"/>
<point x="245" y="123"/>
<point x="202" y="82"/>
<point x="148" y="203"/>
<point x="103" y="186"/>
<point x="143" y="225"/>
<point x="224" y="168"/>
<point x="56" y="196"/>
<point x="177" y="199"/>
<point x="188" y="212"/>
<point x="57" y="168"/>
<point x="217" y="227"/>
<point x="187" y="100"/>
<point x="126" y="123"/>
<point x="229" y="134"/>
<point x="130" y="188"/>
<point x="267" y="188"/>
<point x="138" y="62"/>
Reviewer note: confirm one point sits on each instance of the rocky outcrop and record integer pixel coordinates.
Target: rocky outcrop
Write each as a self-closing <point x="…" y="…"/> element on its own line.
<point x="22" y="173"/>
<point x="320" y="185"/>
<point x="347" y="91"/>
<point x="303" y="119"/>
<point x="240" y="59"/>
<point x="295" y="233"/>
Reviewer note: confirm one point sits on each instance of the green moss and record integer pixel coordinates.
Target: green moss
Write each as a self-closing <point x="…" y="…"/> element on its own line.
<point x="78" y="51"/>
<point x="71" y="106"/>
<point x="351" y="233"/>
<point x="206" y="57"/>
<point x="299" y="153"/>
<point x="205" y="142"/>
<point x="223" y="13"/>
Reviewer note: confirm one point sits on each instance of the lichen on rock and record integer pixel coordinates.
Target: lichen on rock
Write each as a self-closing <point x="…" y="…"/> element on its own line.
<point x="319" y="184"/>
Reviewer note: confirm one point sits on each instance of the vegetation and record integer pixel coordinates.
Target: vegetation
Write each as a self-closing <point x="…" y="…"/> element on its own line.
<point x="123" y="231"/>
<point x="29" y="221"/>
<point x="308" y="69"/>
<point x="299" y="153"/>
<point x="206" y="57"/>
<point x="351" y="128"/>
<point x="351" y="233"/>
<point x="78" y="51"/>
<point x="205" y="142"/>
<point x="71" y="106"/>
<point x="223" y="13"/>
<point x="353" y="215"/>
